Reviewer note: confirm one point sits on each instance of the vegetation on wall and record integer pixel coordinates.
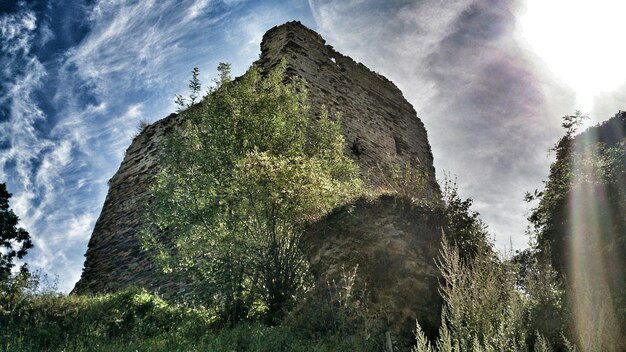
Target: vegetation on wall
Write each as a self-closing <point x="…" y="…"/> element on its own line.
<point x="246" y="171"/>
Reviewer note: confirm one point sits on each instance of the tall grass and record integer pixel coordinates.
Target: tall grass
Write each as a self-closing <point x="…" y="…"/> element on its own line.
<point x="485" y="309"/>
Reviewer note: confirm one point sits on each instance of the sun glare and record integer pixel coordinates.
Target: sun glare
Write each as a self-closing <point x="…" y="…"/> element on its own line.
<point x="581" y="42"/>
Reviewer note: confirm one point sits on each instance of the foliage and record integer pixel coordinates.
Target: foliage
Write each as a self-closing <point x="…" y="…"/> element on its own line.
<point x="135" y="320"/>
<point x="579" y="229"/>
<point x="246" y="171"/>
<point x="572" y="122"/>
<point x="544" y="294"/>
<point x="484" y="308"/>
<point x="17" y="288"/>
<point x="53" y="322"/>
<point x="194" y="92"/>
<point x="14" y="240"/>
<point x="464" y="227"/>
<point x="341" y="308"/>
<point x="408" y="182"/>
<point x="482" y="305"/>
<point x="536" y="301"/>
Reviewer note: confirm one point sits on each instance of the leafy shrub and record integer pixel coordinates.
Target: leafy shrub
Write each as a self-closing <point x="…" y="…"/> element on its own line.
<point x="138" y="321"/>
<point x="51" y="321"/>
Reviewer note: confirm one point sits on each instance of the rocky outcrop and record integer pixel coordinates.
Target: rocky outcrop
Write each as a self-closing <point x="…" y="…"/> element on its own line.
<point x="393" y="247"/>
<point x="392" y="243"/>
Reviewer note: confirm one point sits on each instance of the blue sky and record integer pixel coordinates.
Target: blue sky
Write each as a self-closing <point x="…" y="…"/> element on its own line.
<point x="79" y="76"/>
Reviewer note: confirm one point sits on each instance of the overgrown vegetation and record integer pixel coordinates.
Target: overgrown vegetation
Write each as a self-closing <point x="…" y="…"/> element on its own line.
<point x="246" y="171"/>
<point x="485" y="308"/>
<point x="579" y="227"/>
<point x="138" y="321"/>
<point x="249" y="169"/>
<point x="566" y="292"/>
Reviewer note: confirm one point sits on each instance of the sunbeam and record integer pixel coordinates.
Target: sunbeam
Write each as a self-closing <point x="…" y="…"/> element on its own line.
<point x="594" y="261"/>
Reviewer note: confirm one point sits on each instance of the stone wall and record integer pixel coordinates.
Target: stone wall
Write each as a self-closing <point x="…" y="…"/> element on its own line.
<point x="393" y="244"/>
<point x="380" y="126"/>
<point x="114" y="259"/>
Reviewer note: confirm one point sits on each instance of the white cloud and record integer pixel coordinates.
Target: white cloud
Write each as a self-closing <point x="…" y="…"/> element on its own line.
<point x="35" y="162"/>
<point x="47" y="175"/>
<point x="134" y="41"/>
<point x="133" y="111"/>
<point x="248" y="30"/>
<point x="79" y="227"/>
<point x="16" y="31"/>
<point x="27" y="145"/>
<point x="196" y="9"/>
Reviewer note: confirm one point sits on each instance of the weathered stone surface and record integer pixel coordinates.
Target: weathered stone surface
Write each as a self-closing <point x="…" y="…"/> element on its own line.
<point x="393" y="244"/>
<point x="115" y="259"/>
<point x="381" y="129"/>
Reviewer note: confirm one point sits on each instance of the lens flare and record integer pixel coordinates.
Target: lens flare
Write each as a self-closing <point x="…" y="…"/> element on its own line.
<point x="595" y="270"/>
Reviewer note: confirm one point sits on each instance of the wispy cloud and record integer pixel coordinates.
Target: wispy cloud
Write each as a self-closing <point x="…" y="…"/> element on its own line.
<point x="79" y="227"/>
<point x="58" y="155"/>
<point x="23" y="145"/>
<point x="196" y="9"/>
<point x="17" y="31"/>
<point x="32" y="161"/>
<point x="248" y="30"/>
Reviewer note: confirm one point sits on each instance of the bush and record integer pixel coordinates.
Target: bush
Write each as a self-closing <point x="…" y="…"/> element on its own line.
<point x="138" y="321"/>
<point x="53" y="321"/>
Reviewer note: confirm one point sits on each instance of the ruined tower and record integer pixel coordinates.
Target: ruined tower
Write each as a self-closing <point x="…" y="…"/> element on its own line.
<point x="381" y="130"/>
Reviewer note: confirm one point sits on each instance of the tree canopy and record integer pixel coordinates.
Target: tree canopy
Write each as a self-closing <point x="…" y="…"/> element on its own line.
<point x="14" y="240"/>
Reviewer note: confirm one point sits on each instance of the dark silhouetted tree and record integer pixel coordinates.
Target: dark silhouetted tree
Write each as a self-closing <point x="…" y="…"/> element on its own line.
<point x="14" y="240"/>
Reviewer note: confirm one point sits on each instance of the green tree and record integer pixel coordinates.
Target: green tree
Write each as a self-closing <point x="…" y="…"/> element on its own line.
<point x="14" y="240"/>
<point x="194" y="86"/>
<point x="464" y="227"/>
<point x="239" y="180"/>
<point x="579" y="228"/>
<point x="224" y="72"/>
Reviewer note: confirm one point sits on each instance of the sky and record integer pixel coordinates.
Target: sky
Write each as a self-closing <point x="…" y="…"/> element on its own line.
<point x="490" y="79"/>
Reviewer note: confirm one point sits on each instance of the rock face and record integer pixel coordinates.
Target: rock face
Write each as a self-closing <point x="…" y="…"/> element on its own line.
<point x="394" y="251"/>
<point x="393" y="244"/>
